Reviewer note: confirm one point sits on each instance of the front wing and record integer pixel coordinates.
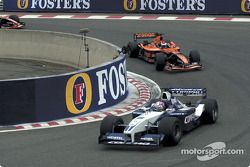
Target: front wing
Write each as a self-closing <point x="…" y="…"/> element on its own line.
<point x="191" y="67"/>
<point x="122" y="139"/>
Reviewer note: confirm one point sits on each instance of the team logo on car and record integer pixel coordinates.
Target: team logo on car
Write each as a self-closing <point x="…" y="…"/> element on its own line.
<point x="245" y="6"/>
<point x="129" y="5"/>
<point x="79" y="93"/>
<point x="22" y="4"/>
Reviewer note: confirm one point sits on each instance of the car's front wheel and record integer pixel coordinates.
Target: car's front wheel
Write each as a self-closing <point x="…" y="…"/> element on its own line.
<point x="110" y="124"/>
<point x="211" y="112"/>
<point x="171" y="128"/>
<point x="194" y="57"/>
<point x="160" y="61"/>
<point x="15" y="18"/>
<point x="133" y="49"/>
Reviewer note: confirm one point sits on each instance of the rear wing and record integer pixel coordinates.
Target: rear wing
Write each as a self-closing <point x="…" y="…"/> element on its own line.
<point x="201" y="92"/>
<point x="146" y="35"/>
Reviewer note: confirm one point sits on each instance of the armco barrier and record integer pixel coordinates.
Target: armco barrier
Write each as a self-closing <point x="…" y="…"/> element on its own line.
<point x="132" y="6"/>
<point x="66" y="95"/>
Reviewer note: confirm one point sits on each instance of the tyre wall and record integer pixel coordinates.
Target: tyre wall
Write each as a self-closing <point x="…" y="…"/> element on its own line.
<point x="66" y="95"/>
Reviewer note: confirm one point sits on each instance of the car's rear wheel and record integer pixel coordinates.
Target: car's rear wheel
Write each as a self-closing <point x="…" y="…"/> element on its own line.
<point x="171" y="128"/>
<point x="110" y="124"/>
<point x="194" y="56"/>
<point x="160" y="61"/>
<point x="133" y="49"/>
<point x="211" y="112"/>
<point x="15" y="18"/>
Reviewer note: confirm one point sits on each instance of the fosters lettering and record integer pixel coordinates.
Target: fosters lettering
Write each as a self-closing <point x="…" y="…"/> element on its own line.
<point x="54" y="4"/>
<point x="112" y="82"/>
<point x="171" y="5"/>
<point x="86" y="91"/>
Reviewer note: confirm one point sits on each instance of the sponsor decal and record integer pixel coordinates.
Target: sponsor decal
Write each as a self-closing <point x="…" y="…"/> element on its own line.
<point x="173" y="5"/>
<point x="22" y="4"/>
<point x="145" y="35"/>
<point x="189" y="118"/>
<point x="78" y="93"/>
<point x="188" y="92"/>
<point x="60" y="4"/>
<point x="115" y="138"/>
<point x="92" y="90"/>
<point x="245" y="6"/>
<point x="113" y="82"/>
<point x="129" y="5"/>
<point x="147" y="139"/>
<point x="176" y="113"/>
<point x="135" y="143"/>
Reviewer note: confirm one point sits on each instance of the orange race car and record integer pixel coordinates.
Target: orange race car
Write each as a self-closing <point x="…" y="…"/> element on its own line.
<point x="164" y="53"/>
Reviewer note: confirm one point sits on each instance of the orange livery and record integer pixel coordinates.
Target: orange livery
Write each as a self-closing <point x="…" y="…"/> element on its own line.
<point x="164" y="53"/>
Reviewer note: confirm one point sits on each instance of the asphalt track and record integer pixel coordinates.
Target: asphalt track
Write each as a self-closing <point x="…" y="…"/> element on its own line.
<point x="225" y="54"/>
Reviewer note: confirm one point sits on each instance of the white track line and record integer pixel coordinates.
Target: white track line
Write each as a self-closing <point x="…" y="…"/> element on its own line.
<point x="97" y="17"/>
<point x="131" y="17"/>
<point x="63" y="16"/>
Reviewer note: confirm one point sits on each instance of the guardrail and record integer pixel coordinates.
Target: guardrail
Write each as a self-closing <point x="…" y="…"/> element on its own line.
<point x="133" y="6"/>
<point x="66" y="95"/>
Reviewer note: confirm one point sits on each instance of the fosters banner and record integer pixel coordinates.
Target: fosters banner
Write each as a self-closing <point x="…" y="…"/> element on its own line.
<point x="132" y="6"/>
<point x="63" y="96"/>
<point x="81" y="93"/>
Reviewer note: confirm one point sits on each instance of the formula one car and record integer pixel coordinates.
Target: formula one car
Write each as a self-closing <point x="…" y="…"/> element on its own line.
<point x="11" y="22"/>
<point x="162" y="121"/>
<point x="164" y="53"/>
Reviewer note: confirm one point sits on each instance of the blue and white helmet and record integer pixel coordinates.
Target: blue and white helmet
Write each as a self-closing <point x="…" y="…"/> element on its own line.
<point x="159" y="105"/>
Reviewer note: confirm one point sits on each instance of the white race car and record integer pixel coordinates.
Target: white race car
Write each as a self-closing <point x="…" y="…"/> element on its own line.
<point x="162" y="121"/>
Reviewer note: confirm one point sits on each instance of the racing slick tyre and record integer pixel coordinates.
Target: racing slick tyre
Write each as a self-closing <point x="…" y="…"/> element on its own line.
<point x="160" y="61"/>
<point x="172" y="130"/>
<point x="15" y="18"/>
<point x="133" y="50"/>
<point x="210" y="115"/>
<point x="110" y="124"/>
<point x="194" y="56"/>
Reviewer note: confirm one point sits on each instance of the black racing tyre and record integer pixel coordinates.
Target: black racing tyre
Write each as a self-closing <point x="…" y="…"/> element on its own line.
<point x="211" y="112"/>
<point x="133" y="49"/>
<point x="15" y="18"/>
<point x="160" y="61"/>
<point x="110" y="124"/>
<point x="194" y="56"/>
<point x="171" y="128"/>
<point x="124" y="50"/>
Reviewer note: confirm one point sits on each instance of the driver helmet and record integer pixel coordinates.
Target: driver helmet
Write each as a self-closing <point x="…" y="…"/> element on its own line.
<point x="166" y="96"/>
<point x="163" y="44"/>
<point x="159" y="105"/>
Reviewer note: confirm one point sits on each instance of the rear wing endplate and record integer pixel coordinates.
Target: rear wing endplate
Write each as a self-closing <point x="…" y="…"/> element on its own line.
<point x="187" y="91"/>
